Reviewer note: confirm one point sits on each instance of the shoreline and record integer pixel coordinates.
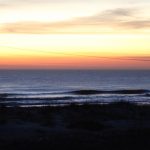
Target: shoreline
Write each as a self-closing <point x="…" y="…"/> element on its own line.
<point x="119" y="125"/>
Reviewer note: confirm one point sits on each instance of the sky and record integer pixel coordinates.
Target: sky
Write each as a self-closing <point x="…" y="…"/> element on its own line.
<point x="74" y="34"/>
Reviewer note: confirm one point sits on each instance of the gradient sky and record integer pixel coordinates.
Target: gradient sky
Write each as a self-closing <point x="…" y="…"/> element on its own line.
<point x="86" y="34"/>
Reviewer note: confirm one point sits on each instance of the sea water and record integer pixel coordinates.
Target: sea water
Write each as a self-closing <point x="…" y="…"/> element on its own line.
<point x="64" y="87"/>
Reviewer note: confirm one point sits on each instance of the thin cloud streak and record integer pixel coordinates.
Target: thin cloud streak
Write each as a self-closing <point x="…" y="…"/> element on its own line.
<point x="131" y="58"/>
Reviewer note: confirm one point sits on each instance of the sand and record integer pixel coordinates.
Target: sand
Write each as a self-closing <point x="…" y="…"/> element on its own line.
<point x="121" y="126"/>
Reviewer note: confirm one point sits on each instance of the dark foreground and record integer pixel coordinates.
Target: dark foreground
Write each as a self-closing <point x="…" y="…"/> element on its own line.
<point x="118" y="126"/>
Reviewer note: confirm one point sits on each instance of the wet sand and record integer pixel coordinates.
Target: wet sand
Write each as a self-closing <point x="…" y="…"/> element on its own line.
<point x="121" y="126"/>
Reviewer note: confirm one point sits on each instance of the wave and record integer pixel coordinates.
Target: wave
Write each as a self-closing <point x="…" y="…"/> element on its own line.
<point x="35" y="98"/>
<point x="78" y="97"/>
<point x="147" y="94"/>
<point x="71" y="94"/>
<point x="126" y="91"/>
<point x="6" y="95"/>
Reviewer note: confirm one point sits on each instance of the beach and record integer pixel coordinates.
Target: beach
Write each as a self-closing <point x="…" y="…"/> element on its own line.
<point x="118" y="125"/>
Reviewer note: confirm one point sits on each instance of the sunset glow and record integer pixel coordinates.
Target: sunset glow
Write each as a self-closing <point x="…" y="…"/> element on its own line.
<point x="62" y="34"/>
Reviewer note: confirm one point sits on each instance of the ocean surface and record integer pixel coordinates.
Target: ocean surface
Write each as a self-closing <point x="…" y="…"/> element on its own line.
<point x="63" y="87"/>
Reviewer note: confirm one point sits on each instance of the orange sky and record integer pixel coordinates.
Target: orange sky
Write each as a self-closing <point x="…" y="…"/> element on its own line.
<point x="71" y="63"/>
<point x="61" y="34"/>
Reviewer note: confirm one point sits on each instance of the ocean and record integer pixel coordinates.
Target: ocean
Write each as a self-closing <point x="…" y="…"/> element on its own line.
<point x="27" y="88"/>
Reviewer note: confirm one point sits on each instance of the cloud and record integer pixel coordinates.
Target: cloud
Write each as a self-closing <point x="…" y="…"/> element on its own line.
<point x="117" y="19"/>
<point x="136" y="24"/>
<point x="3" y="5"/>
<point x="6" y="5"/>
<point x="32" y="27"/>
<point x="36" y="27"/>
<point x="120" y="12"/>
<point x="108" y="16"/>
